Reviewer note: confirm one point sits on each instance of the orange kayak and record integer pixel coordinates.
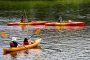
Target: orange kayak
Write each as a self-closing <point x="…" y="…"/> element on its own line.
<point x="35" y="44"/>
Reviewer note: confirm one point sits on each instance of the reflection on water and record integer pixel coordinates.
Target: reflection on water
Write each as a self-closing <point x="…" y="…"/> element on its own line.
<point x="21" y="55"/>
<point x="70" y="27"/>
<point x="58" y="43"/>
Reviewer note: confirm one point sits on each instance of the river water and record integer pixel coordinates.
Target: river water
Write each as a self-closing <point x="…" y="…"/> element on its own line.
<point x="58" y="43"/>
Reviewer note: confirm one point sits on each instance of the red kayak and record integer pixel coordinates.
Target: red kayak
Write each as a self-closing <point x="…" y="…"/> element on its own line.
<point x="48" y="23"/>
<point x="27" y="23"/>
<point x="76" y="24"/>
<point x="65" y="24"/>
<point x="38" y="22"/>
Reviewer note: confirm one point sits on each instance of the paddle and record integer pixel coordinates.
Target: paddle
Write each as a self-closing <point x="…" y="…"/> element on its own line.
<point x="3" y="34"/>
<point x="36" y="32"/>
<point x="26" y="16"/>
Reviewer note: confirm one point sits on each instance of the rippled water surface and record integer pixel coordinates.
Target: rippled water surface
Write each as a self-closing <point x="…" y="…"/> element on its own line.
<point x="58" y="43"/>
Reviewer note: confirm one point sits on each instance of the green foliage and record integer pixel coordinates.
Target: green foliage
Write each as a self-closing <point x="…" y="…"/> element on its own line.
<point x="27" y="0"/>
<point x="46" y="9"/>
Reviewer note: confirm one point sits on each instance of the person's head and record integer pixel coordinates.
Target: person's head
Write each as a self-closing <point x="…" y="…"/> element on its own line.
<point x="14" y="38"/>
<point x="23" y="17"/>
<point x="25" y="39"/>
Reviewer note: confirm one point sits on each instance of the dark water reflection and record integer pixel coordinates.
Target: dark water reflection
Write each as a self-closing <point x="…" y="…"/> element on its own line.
<point x="58" y="43"/>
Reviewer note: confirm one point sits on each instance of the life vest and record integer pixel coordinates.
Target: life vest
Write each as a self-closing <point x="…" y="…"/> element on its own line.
<point x="23" y="20"/>
<point x="26" y="43"/>
<point x="12" y="45"/>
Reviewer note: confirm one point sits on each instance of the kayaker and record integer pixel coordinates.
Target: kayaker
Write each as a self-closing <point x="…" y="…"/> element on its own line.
<point x="60" y="19"/>
<point x="25" y="42"/>
<point x="13" y="43"/>
<point x="23" y="19"/>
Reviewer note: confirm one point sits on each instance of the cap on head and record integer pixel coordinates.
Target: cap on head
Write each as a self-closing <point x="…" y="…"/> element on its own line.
<point x="25" y="39"/>
<point x="69" y="21"/>
<point x="14" y="38"/>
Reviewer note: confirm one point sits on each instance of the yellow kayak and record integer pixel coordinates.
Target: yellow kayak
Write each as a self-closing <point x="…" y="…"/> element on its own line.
<point x="35" y="44"/>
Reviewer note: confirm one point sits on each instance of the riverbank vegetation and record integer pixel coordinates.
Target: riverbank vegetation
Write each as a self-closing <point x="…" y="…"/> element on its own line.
<point x="46" y="9"/>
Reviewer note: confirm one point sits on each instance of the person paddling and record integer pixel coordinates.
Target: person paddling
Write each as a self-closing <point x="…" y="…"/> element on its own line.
<point x="60" y="19"/>
<point x="25" y="42"/>
<point x="23" y="19"/>
<point x="13" y="43"/>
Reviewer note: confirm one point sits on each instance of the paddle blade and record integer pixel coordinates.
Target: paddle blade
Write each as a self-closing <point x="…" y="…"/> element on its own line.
<point x="37" y="31"/>
<point x="3" y="34"/>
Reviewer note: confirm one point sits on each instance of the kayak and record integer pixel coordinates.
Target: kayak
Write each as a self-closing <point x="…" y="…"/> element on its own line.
<point x="65" y="24"/>
<point x="38" y="22"/>
<point x="76" y="24"/>
<point x="27" y="23"/>
<point x="35" y="44"/>
<point x="47" y="23"/>
<point x="18" y="23"/>
<point x="55" y="24"/>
